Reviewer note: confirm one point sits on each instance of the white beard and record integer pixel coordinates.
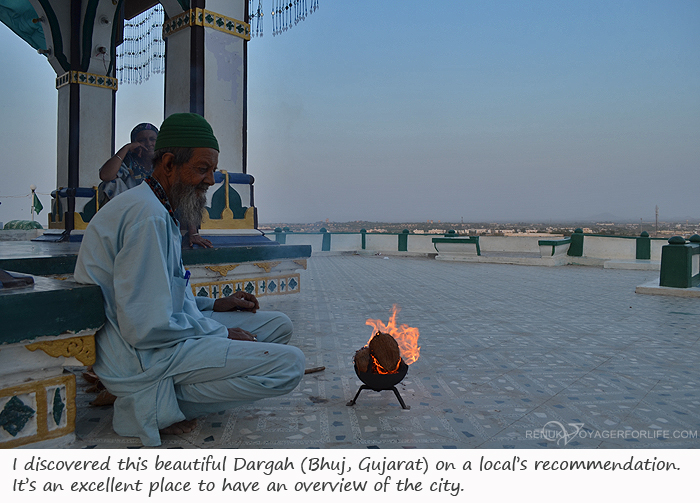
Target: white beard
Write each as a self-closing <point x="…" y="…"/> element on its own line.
<point x="189" y="202"/>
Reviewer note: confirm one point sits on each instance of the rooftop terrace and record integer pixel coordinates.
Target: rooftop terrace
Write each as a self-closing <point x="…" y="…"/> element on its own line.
<point x="505" y="349"/>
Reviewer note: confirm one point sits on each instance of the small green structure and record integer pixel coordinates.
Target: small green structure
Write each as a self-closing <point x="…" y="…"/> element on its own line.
<point x="680" y="263"/>
<point x="403" y="240"/>
<point x="576" y="247"/>
<point x="643" y="246"/>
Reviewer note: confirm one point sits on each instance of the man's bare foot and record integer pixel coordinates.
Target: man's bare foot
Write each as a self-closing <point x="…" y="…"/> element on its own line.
<point x="104" y="398"/>
<point x="179" y="428"/>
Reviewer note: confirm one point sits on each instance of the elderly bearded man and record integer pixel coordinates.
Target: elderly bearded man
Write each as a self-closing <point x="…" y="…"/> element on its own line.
<point x="170" y="357"/>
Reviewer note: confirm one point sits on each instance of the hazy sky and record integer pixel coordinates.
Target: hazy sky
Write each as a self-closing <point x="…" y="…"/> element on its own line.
<point x="409" y="111"/>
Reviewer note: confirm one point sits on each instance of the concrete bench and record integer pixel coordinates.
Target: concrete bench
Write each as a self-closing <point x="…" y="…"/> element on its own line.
<point x="457" y="248"/>
<point x="554" y="247"/>
<point x="523" y="250"/>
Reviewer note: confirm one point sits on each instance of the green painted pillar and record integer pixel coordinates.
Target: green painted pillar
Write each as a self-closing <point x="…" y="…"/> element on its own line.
<point x="364" y="238"/>
<point x="677" y="263"/>
<point x="644" y="246"/>
<point x="280" y="236"/>
<point x="403" y="240"/>
<point x="326" y="245"/>
<point x="576" y="247"/>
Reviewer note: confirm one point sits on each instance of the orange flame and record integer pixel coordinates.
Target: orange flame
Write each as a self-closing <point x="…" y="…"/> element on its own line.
<point x="405" y="336"/>
<point x="381" y="370"/>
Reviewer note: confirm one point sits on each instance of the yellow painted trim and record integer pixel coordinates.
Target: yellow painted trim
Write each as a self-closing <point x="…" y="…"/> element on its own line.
<point x="42" y="413"/>
<point x="78" y="223"/>
<point x="97" y="199"/>
<point x="226" y="193"/>
<point x="223" y="270"/>
<point x="198" y="17"/>
<point x="266" y="266"/>
<point x="228" y="222"/>
<point x="178" y="23"/>
<point x="88" y="79"/>
<point x="83" y="348"/>
<point x="301" y="262"/>
<point x="56" y="224"/>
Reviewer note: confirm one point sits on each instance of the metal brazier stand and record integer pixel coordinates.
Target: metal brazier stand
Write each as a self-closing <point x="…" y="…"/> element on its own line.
<point x="381" y="382"/>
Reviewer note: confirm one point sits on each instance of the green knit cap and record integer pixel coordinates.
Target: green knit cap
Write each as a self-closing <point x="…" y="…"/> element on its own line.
<point x="186" y="130"/>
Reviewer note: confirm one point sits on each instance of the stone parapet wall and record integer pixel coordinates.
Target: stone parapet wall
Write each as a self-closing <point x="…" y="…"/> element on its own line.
<point x="19" y="235"/>
<point x="609" y="248"/>
<point x="597" y="250"/>
<point x="381" y="242"/>
<point x="421" y="243"/>
<point x="346" y="242"/>
<point x="510" y="244"/>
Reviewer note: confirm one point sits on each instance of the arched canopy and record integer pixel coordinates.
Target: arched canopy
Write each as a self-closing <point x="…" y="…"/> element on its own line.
<point x="133" y="8"/>
<point x="19" y="16"/>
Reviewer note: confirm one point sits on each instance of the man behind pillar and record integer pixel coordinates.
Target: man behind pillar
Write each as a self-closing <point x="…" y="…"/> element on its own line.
<point x="170" y="357"/>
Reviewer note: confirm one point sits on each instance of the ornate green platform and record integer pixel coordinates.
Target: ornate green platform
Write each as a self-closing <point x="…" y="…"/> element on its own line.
<point x="44" y="326"/>
<point x="52" y="323"/>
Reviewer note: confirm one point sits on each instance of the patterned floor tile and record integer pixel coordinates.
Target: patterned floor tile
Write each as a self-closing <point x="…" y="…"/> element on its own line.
<point x="506" y="352"/>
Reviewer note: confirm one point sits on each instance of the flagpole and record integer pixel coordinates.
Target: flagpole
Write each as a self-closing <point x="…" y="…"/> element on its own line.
<point x="33" y="187"/>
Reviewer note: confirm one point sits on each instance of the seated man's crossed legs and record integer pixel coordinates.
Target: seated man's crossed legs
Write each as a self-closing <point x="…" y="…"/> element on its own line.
<point x="253" y="370"/>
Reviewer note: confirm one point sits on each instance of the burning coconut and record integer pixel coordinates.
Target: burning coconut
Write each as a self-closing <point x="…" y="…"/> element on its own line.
<point x="384" y="361"/>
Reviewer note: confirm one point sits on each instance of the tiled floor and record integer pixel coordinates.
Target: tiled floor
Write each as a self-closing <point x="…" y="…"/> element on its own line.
<point x="504" y="350"/>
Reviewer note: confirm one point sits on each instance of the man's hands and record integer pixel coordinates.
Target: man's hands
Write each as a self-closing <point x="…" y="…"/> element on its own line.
<point x="238" y="334"/>
<point x="196" y="239"/>
<point x="239" y="301"/>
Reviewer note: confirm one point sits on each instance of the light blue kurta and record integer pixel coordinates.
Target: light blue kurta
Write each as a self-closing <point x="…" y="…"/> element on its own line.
<point x="154" y="329"/>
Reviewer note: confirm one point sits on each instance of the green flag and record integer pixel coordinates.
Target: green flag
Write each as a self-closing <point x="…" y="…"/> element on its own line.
<point x="37" y="205"/>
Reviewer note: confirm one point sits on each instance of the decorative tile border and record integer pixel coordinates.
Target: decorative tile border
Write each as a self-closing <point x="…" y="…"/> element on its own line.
<point x="260" y="287"/>
<point x="202" y="17"/>
<point x="223" y="23"/>
<point x="89" y="79"/>
<point x="37" y="411"/>
<point x="179" y="22"/>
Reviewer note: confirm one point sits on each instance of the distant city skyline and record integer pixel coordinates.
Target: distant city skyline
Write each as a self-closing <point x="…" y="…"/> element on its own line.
<point x="405" y="111"/>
